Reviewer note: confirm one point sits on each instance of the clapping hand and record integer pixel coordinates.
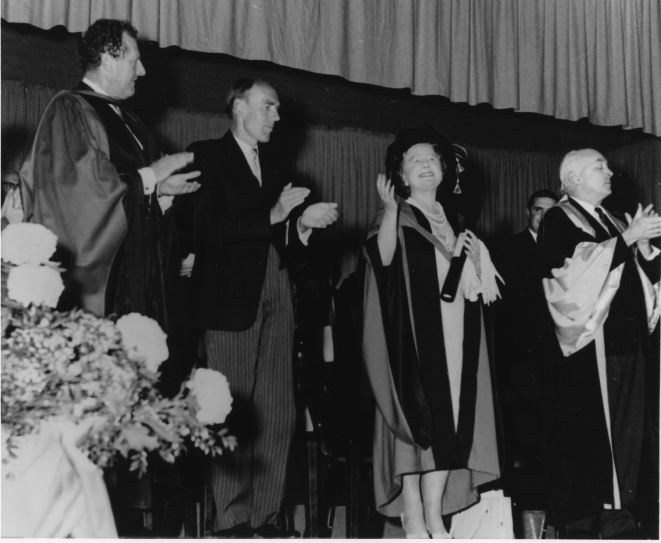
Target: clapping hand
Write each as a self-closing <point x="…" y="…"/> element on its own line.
<point x="290" y="197"/>
<point x="319" y="215"/>
<point x="167" y="182"/>
<point x="186" y="266"/>
<point x="643" y="226"/>
<point x="178" y="184"/>
<point x="386" y="192"/>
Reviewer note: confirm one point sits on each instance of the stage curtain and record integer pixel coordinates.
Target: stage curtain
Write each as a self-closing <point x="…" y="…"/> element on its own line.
<point x="341" y="165"/>
<point x="571" y="59"/>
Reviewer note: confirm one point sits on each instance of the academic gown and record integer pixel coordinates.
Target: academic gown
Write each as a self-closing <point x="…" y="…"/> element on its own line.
<point x="81" y="181"/>
<point x="418" y="427"/>
<point x="594" y="440"/>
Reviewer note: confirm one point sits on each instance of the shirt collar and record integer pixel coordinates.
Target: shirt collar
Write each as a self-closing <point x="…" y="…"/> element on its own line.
<point x="590" y="208"/>
<point x="95" y="87"/>
<point x="533" y="234"/>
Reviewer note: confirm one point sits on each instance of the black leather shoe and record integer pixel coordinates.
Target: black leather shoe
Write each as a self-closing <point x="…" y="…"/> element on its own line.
<point x="271" y="531"/>
<point x="240" y="531"/>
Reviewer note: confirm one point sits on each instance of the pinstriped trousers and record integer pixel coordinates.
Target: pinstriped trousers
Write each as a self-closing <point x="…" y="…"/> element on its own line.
<point x="248" y="485"/>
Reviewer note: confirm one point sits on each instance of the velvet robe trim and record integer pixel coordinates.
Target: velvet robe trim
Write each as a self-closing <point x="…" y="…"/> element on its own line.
<point x="404" y="350"/>
<point x="579" y="293"/>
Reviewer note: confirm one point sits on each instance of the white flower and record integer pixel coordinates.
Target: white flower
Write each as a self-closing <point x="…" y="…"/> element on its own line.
<point x="30" y="284"/>
<point x="27" y="243"/>
<point x="30" y="382"/>
<point x="213" y="395"/>
<point x="142" y="337"/>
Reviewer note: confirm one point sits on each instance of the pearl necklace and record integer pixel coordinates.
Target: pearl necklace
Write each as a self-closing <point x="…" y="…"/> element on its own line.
<point x="439" y="224"/>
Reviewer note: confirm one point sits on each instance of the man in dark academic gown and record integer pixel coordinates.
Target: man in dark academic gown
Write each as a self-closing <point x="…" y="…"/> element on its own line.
<point x="93" y="177"/>
<point x="521" y="325"/>
<point x="599" y="286"/>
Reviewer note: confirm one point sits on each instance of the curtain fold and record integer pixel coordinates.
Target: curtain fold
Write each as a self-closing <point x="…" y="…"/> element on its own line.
<point x="571" y="59"/>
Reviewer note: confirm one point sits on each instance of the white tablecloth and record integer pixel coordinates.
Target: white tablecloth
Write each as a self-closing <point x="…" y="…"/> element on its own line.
<point x="51" y="489"/>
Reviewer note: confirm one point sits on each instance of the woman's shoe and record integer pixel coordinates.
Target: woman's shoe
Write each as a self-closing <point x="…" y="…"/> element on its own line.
<point x="439" y="535"/>
<point x="413" y="535"/>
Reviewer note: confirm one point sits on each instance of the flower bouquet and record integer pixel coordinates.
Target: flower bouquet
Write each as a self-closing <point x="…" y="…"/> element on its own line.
<point x="88" y="380"/>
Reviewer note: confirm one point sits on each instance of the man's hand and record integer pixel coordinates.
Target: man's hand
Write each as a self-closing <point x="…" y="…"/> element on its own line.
<point x="319" y="215"/>
<point x="186" y="267"/>
<point x="178" y="184"/>
<point x="290" y="197"/>
<point x="643" y="226"/>
<point x="165" y="166"/>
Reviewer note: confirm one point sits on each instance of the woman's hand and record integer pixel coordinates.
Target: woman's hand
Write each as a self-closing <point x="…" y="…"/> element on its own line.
<point x="387" y="236"/>
<point x="469" y="240"/>
<point x="386" y="193"/>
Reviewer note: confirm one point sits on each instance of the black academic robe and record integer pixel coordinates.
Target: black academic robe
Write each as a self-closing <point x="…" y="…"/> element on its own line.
<point x="81" y="181"/>
<point x="578" y="461"/>
<point x="405" y="356"/>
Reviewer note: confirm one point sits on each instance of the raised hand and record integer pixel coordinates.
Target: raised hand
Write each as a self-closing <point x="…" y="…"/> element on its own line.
<point x="319" y="215"/>
<point x="165" y="166"/>
<point x="290" y="197"/>
<point x="386" y="192"/>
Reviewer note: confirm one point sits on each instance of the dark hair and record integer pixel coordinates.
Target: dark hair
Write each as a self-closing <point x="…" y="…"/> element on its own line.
<point x="103" y="36"/>
<point x="406" y="139"/>
<point x="542" y="193"/>
<point x="239" y="89"/>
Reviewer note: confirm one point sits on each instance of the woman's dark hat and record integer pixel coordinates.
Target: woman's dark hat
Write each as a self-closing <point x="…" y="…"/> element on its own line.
<point x="409" y="137"/>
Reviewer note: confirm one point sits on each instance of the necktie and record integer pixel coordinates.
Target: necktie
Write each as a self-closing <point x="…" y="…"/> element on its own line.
<point x="612" y="229"/>
<point x="255" y="165"/>
<point x="117" y="110"/>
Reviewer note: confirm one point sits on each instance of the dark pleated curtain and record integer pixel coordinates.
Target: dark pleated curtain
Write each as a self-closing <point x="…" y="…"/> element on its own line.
<point x="341" y="166"/>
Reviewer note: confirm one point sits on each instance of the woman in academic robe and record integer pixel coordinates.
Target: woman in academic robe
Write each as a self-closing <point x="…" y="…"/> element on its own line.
<point x="426" y="359"/>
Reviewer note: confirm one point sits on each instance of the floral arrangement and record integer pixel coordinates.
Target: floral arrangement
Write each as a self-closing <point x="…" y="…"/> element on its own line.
<point x="95" y="373"/>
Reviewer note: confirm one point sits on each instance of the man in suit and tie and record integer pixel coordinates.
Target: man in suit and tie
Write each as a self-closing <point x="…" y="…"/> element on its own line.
<point x="600" y="275"/>
<point x="96" y="178"/>
<point x="245" y="242"/>
<point x="522" y="324"/>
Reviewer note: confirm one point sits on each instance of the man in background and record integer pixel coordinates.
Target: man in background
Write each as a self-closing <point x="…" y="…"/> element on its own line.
<point x="246" y="244"/>
<point x="600" y="279"/>
<point x="522" y="325"/>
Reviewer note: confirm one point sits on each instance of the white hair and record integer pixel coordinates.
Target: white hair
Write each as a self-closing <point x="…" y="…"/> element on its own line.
<point x="571" y="167"/>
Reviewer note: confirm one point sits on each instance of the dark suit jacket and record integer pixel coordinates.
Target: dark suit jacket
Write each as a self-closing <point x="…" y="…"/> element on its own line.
<point x="523" y="297"/>
<point x="227" y="226"/>
<point x="523" y="329"/>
